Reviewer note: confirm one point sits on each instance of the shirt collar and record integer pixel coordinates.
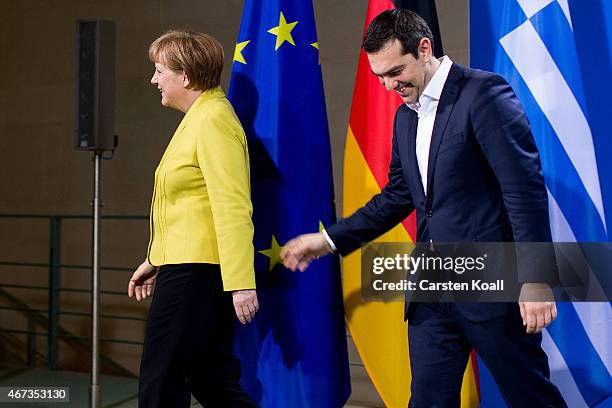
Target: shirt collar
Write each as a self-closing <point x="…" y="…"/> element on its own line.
<point x="433" y="90"/>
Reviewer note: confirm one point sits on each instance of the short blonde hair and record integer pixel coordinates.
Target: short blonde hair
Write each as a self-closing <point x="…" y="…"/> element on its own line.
<point x="199" y="55"/>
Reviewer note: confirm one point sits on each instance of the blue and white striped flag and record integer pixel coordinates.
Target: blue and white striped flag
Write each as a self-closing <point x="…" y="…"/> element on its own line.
<point x="556" y="56"/>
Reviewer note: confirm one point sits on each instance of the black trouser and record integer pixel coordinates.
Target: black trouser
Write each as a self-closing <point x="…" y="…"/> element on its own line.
<point x="440" y="340"/>
<point x="188" y="342"/>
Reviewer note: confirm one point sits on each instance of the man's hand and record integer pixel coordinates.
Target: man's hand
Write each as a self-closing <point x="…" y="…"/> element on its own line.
<point x="300" y="251"/>
<point x="246" y="304"/>
<point x="537" y="314"/>
<point x="143" y="281"/>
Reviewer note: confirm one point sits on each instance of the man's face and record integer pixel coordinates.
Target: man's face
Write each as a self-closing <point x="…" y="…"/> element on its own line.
<point x="398" y="72"/>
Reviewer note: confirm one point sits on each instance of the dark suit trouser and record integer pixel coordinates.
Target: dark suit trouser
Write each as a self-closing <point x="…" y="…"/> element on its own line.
<point x="188" y="342"/>
<point x="440" y="341"/>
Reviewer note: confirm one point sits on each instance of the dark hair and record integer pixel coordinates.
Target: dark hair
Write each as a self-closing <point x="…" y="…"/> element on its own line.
<point x="401" y="24"/>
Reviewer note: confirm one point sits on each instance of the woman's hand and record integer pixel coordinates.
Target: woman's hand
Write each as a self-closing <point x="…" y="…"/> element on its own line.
<point x="246" y="305"/>
<point x="143" y="281"/>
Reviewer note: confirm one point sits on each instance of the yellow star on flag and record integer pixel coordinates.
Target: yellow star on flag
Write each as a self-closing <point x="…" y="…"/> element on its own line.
<point x="273" y="253"/>
<point x="283" y="31"/>
<point x="238" y="51"/>
<point x="316" y="45"/>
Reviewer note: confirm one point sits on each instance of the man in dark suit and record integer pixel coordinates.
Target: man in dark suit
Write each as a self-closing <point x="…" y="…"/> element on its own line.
<point x="464" y="158"/>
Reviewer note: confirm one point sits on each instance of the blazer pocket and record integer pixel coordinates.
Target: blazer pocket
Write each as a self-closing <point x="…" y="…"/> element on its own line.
<point x="452" y="141"/>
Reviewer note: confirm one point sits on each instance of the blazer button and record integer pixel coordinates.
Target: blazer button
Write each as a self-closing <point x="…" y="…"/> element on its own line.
<point x="429" y="214"/>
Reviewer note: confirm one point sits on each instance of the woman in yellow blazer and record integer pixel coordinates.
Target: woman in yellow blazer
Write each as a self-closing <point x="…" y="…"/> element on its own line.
<point x="200" y="253"/>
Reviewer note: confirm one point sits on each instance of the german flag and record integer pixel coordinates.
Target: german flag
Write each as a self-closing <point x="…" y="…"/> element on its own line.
<point x="378" y="329"/>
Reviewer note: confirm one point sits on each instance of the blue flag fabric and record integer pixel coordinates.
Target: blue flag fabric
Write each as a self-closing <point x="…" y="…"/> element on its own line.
<point x="295" y="352"/>
<point x="556" y="56"/>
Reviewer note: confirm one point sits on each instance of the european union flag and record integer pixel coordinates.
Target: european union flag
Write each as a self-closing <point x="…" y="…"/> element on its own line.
<point x="294" y="354"/>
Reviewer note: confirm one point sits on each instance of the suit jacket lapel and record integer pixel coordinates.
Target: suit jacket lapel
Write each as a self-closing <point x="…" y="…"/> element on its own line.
<point x="445" y="107"/>
<point x="414" y="166"/>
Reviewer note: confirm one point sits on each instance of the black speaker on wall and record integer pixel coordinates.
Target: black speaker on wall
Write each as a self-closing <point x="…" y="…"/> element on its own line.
<point x="95" y="105"/>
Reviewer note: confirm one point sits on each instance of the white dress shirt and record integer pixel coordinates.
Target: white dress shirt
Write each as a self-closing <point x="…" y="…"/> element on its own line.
<point x="425" y="108"/>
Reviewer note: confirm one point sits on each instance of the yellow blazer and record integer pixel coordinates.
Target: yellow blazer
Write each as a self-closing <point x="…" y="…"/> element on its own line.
<point x="201" y="207"/>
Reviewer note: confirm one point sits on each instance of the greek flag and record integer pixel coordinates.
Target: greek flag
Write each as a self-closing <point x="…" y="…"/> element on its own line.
<point x="556" y="56"/>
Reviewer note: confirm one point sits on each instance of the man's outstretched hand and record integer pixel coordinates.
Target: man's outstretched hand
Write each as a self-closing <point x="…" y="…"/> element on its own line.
<point x="299" y="252"/>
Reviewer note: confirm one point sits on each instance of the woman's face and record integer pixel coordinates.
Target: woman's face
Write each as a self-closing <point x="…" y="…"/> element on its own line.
<point x="170" y="83"/>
